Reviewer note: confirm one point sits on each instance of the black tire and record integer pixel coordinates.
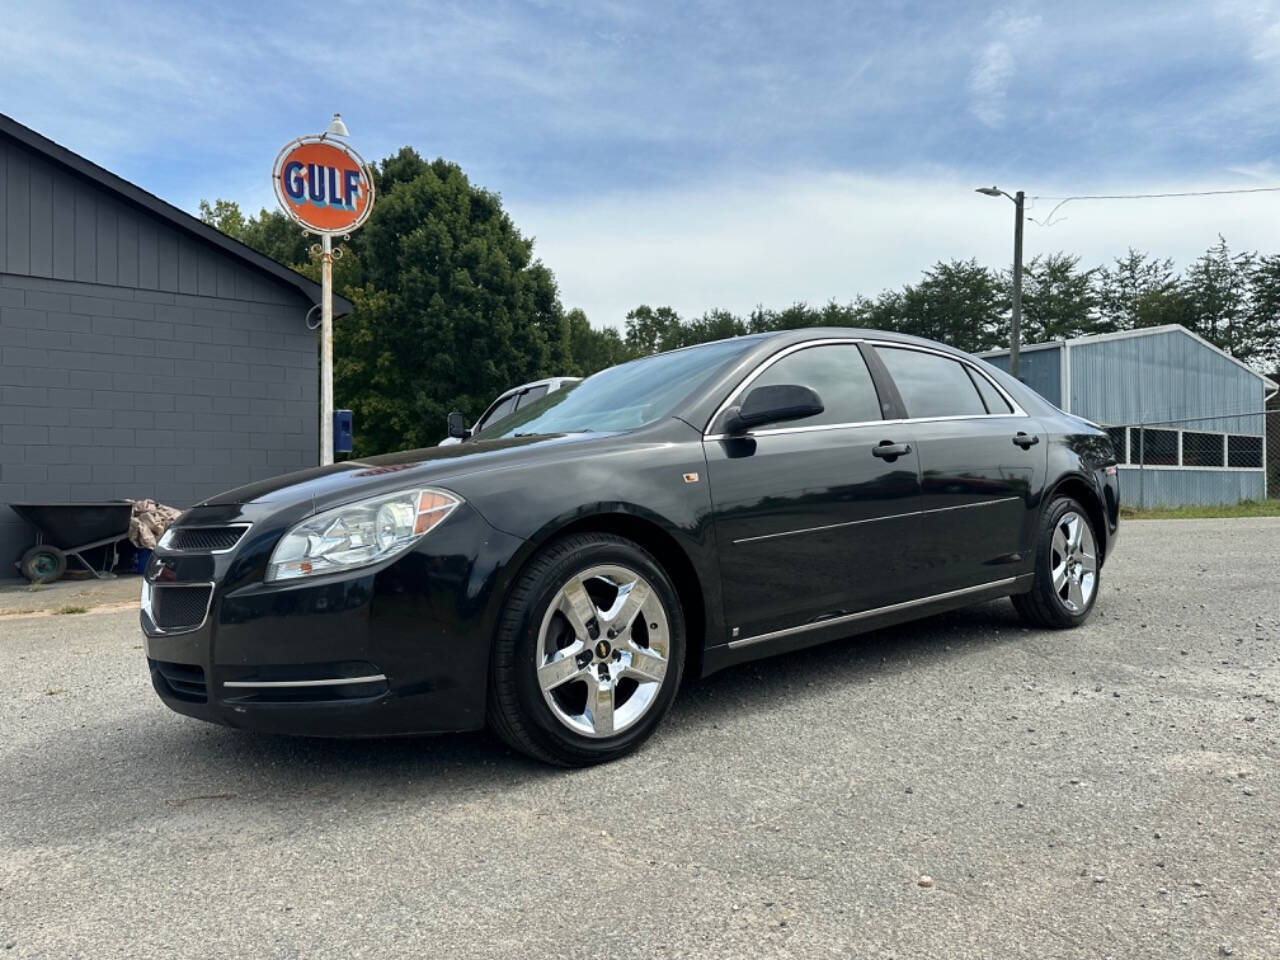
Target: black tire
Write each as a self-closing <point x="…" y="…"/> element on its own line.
<point x="1042" y="606"/>
<point x="43" y="564"/>
<point x="517" y="710"/>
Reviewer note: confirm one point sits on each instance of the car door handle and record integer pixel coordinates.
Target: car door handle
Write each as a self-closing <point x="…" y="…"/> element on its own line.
<point x="888" y="450"/>
<point x="1025" y="440"/>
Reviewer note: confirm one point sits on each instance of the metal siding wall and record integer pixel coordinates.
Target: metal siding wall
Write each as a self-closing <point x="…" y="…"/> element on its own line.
<point x="4" y="196"/>
<point x="1041" y="370"/>
<point x="57" y="226"/>
<point x="17" y="257"/>
<point x="1162" y="377"/>
<point x="112" y="392"/>
<point x="113" y="383"/>
<point x="1176" y="488"/>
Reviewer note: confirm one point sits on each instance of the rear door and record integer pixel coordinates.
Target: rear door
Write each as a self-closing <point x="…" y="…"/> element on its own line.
<point x="811" y="524"/>
<point x="982" y="468"/>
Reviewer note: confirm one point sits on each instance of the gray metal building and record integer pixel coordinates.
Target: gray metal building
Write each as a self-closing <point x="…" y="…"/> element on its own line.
<point x="142" y="352"/>
<point x="1186" y="418"/>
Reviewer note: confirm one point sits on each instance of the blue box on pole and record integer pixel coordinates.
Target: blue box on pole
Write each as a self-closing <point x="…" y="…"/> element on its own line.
<point x="342" y="439"/>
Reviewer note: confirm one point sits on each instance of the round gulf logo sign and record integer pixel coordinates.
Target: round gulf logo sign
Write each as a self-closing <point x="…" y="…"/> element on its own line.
<point x="323" y="184"/>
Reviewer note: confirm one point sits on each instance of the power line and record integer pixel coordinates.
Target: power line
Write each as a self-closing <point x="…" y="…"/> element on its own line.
<point x="1048" y="221"/>
<point x="1148" y="196"/>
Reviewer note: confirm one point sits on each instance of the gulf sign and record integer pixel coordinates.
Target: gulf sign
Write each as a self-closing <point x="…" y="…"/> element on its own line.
<point x="323" y="184"/>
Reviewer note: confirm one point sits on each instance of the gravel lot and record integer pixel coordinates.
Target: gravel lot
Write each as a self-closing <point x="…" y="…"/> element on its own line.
<point x="1110" y="792"/>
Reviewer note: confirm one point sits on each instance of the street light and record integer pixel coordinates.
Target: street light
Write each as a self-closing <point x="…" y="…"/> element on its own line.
<point x="1015" y="333"/>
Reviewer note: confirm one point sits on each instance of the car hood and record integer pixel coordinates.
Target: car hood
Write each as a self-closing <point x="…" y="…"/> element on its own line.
<point x="368" y="476"/>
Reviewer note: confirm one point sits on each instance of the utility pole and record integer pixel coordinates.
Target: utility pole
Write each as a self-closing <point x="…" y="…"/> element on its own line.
<point x="1015" y="331"/>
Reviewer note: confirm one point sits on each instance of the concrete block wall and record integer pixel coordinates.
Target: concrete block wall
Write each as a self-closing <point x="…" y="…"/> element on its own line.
<point x="113" y="391"/>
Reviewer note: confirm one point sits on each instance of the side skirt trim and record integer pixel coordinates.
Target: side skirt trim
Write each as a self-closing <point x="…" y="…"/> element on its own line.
<point x="866" y="614"/>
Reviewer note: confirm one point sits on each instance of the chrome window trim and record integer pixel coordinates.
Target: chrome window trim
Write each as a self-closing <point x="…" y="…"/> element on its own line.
<point x="145" y="601"/>
<point x="865" y="614"/>
<point x="1017" y="410"/>
<point x="243" y="527"/>
<point x="892" y="516"/>
<point x="335" y="682"/>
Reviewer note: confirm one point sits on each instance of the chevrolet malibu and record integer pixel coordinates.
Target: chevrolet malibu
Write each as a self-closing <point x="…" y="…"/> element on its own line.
<point x="556" y="577"/>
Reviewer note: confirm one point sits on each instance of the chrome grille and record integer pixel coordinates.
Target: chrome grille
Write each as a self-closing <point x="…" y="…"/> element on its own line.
<point x="202" y="539"/>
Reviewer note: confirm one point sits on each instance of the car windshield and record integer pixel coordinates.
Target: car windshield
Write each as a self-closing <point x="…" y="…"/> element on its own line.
<point x="623" y="397"/>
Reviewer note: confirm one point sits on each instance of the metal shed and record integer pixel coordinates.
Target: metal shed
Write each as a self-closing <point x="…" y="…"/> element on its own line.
<point x="143" y="354"/>
<point x="1188" y="420"/>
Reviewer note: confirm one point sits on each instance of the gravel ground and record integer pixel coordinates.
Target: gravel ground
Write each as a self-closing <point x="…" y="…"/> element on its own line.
<point x="1110" y="792"/>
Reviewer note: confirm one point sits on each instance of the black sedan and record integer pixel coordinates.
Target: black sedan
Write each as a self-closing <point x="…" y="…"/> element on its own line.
<point x="669" y="516"/>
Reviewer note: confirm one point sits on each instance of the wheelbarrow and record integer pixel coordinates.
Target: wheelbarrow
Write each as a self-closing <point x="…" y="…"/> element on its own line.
<point x="66" y="530"/>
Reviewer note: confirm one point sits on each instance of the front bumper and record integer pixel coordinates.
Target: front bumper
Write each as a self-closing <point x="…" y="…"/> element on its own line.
<point x="396" y="648"/>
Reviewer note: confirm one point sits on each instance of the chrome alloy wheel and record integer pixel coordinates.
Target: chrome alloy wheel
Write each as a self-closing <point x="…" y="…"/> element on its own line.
<point x="1073" y="562"/>
<point x="603" y="650"/>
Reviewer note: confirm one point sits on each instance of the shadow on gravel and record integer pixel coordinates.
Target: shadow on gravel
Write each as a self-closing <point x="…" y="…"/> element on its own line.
<point x="166" y="763"/>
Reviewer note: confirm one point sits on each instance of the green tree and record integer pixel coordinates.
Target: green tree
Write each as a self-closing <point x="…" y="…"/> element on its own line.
<point x="1264" y="312"/>
<point x="1217" y="286"/>
<point x="451" y="307"/>
<point x="961" y="303"/>
<point x="1139" y="291"/>
<point x="1058" y="299"/>
<point x="650" y="330"/>
<point x="593" y="350"/>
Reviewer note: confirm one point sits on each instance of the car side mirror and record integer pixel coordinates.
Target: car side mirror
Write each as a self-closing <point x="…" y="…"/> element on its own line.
<point x="772" y="404"/>
<point x="458" y="426"/>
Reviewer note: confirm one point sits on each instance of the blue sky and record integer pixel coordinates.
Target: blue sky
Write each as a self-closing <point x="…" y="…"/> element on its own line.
<point x="699" y="153"/>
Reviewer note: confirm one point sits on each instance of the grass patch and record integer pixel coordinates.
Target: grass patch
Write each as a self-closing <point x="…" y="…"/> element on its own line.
<point x="1248" y="508"/>
<point x="70" y="609"/>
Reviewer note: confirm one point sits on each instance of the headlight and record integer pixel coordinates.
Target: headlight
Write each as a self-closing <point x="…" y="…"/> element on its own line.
<point x="358" y="534"/>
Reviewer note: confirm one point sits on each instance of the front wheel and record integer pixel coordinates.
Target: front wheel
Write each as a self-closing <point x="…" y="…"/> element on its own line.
<point x="43" y="564"/>
<point x="1067" y="568"/>
<point x="588" y="653"/>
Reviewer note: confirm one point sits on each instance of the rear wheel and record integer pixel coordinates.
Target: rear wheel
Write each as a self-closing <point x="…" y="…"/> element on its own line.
<point x="43" y="564"/>
<point x="588" y="654"/>
<point x="1067" y="568"/>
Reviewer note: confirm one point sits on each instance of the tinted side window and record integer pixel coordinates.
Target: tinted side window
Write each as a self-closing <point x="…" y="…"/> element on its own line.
<point x="990" y="395"/>
<point x="931" y="385"/>
<point x="530" y="395"/>
<point x="503" y="409"/>
<point x="837" y="373"/>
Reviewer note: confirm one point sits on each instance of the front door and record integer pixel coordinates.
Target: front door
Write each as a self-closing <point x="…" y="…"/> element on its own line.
<point x="811" y="523"/>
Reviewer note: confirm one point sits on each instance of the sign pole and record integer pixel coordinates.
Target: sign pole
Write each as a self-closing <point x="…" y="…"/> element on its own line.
<point x="326" y="351"/>
<point x="325" y="186"/>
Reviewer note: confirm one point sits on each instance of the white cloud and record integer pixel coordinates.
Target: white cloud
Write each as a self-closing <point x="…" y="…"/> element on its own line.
<point x="994" y="70"/>
<point x="813" y="237"/>
<point x="989" y="83"/>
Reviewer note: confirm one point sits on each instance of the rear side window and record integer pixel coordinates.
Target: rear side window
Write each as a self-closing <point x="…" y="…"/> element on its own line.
<point x="837" y="374"/>
<point x="990" y="395"/>
<point x="932" y="385"/>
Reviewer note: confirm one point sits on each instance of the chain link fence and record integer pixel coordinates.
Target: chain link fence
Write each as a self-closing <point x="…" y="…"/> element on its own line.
<point x="1209" y="460"/>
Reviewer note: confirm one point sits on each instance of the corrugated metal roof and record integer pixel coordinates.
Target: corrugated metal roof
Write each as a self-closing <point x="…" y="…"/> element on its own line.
<point x="1130" y="334"/>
